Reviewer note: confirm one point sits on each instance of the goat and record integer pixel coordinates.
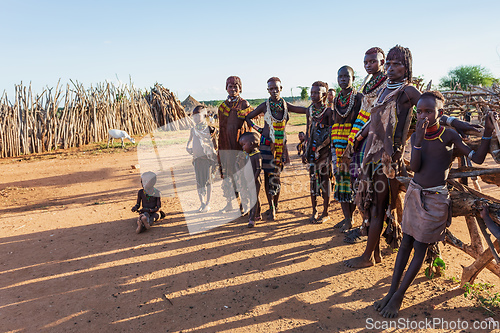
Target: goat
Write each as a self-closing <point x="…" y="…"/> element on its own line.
<point x="118" y="134"/>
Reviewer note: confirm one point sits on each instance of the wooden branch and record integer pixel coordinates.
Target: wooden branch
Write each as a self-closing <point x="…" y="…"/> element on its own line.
<point x="472" y="172"/>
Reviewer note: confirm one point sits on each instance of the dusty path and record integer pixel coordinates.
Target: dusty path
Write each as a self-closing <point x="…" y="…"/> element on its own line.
<point x="70" y="260"/>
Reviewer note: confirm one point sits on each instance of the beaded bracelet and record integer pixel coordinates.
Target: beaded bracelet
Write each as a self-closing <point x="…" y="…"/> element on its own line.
<point x="486" y="138"/>
<point x="449" y="120"/>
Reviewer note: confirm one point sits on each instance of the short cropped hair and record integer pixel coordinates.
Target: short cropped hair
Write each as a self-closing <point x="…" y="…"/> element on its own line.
<point x="349" y="68"/>
<point x="404" y="54"/>
<point x="436" y="95"/>
<point x="375" y="50"/>
<point x="249" y="136"/>
<point x="198" y="109"/>
<point x="320" y="84"/>
<point x="275" y="79"/>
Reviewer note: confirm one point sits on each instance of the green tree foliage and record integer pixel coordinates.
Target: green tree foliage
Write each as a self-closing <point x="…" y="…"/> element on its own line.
<point x="303" y="93"/>
<point x="467" y="75"/>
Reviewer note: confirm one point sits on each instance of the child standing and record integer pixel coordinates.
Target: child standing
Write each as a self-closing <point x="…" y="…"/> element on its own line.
<point x="426" y="207"/>
<point x="204" y="155"/>
<point x="149" y="197"/>
<point x="249" y="142"/>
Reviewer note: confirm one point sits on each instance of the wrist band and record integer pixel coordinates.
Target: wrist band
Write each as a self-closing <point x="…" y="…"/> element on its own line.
<point x="417" y="148"/>
<point x="486" y="138"/>
<point x="449" y="120"/>
<point x="472" y="152"/>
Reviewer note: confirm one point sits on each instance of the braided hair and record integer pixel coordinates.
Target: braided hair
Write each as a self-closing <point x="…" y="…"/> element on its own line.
<point x="399" y="52"/>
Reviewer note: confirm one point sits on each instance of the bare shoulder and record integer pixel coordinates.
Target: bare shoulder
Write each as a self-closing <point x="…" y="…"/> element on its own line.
<point x="450" y="135"/>
<point x="244" y="104"/>
<point x="412" y="93"/>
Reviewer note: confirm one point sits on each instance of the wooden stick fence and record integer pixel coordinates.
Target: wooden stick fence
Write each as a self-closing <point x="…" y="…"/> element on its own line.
<point x="79" y="116"/>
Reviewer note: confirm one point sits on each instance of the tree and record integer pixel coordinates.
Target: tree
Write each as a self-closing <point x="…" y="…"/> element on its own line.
<point x="467" y="75"/>
<point x="303" y="93"/>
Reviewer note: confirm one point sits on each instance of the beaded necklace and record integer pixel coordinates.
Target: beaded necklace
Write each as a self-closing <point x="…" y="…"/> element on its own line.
<point x="389" y="95"/>
<point x="434" y="132"/>
<point x="374" y="83"/>
<point x="338" y="103"/>
<point x="395" y="85"/>
<point x="276" y="127"/>
<point x="225" y="109"/>
<point x="276" y="107"/>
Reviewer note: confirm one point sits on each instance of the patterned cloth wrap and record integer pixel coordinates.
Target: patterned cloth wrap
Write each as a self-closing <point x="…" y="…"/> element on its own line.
<point x="340" y="135"/>
<point x="426" y="212"/>
<point x="318" y="155"/>
<point x="270" y="166"/>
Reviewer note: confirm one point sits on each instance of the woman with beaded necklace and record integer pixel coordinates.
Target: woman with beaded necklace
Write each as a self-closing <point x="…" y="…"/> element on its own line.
<point x="231" y="116"/>
<point x="273" y="139"/>
<point x="346" y="108"/>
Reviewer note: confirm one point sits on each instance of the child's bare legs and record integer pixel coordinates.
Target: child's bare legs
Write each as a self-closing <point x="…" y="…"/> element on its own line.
<point x="392" y="308"/>
<point x="142" y="220"/>
<point x="209" y="197"/>
<point x="347" y="209"/>
<point x="399" y="267"/>
<point x="200" y="196"/>
<point x="314" y="216"/>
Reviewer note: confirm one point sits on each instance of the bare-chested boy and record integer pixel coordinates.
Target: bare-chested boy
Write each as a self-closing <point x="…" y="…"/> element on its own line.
<point x="231" y="117"/>
<point x="426" y="209"/>
<point x="346" y="107"/>
<point x="390" y="119"/>
<point x="273" y="139"/>
<point x="330" y="97"/>
<point x="318" y="152"/>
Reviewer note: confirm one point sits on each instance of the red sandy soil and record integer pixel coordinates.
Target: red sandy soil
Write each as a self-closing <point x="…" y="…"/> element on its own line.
<point x="71" y="261"/>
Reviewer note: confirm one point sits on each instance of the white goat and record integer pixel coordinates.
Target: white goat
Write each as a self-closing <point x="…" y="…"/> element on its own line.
<point x="118" y="134"/>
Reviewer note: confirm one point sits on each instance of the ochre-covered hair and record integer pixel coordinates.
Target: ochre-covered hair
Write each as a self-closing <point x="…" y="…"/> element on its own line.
<point x="375" y="50"/>
<point x="404" y="54"/>
<point x="436" y="95"/>
<point x="234" y="80"/>
<point x="275" y="79"/>
<point x="320" y="84"/>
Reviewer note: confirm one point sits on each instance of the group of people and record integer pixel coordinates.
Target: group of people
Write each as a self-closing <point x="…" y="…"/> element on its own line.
<point x="353" y="144"/>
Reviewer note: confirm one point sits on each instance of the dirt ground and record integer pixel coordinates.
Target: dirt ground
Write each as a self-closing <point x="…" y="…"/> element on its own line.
<point x="71" y="261"/>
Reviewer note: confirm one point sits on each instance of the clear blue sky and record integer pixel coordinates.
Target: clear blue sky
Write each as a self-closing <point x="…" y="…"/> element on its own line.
<point x="192" y="46"/>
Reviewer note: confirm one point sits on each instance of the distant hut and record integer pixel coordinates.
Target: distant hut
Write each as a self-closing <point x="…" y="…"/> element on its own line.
<point x="189" y="104"/>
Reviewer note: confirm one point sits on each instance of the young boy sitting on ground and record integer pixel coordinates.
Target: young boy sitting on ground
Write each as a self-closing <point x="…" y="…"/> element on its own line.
<point x="426" y="207"/>
<point x="149" y="197"/>
<point x="204" y="155"/>
<point x="249" y="142"/>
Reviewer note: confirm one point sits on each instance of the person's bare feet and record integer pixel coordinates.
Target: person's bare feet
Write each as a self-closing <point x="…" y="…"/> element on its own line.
<point x="359" y="262"/>
<point x="146" y="223"/>
<point x="314" y="217"/>
<point x="347" y="225"/>
<point x="340" y="224"/>
<point x="205" y="209"/>
<point x="391" y="310"/>
<point x="377" y="256"/>
<point x="379" y="305"/>
<point x="228" y="208"/>
<point x="272" y="214"/>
